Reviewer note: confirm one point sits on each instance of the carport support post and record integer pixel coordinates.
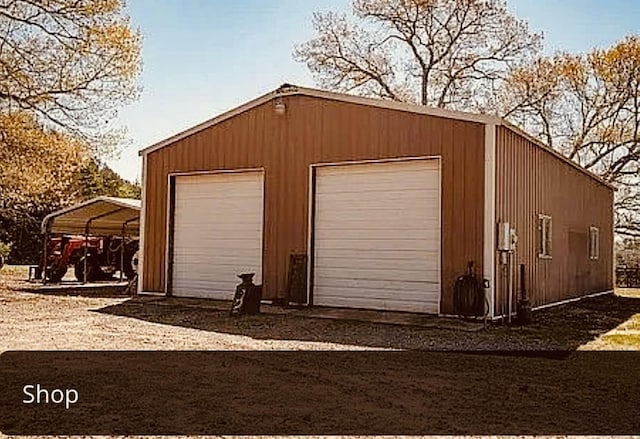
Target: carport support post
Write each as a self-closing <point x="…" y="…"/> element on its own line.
<point x="44" y="254"/>
<point x="86" y="251"/>
<point x="124" y="226"/>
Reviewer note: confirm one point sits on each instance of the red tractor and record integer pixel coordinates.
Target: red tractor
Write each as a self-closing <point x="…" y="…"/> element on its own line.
<point x="104" y="256"/>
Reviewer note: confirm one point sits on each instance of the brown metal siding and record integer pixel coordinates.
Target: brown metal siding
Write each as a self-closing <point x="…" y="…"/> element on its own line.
<point x="532" y="181"/>
<point x="316" y="130"/>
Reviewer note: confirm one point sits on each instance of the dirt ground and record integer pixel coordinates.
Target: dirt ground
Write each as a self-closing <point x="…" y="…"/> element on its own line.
<point x="578" y="393"/>
<point x="104" y="319"/>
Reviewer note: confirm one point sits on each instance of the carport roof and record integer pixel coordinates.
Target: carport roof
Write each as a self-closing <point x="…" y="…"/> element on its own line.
<point x="98" y="216"/>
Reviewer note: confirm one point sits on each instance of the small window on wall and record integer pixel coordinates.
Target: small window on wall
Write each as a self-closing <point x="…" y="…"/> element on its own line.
<point x="594" y="243"/>
<point x="544" y="236"/>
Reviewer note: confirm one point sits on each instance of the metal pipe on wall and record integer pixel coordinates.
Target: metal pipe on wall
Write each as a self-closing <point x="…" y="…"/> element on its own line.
<point x="505" y="284"/>
<point x="509" y="285"/>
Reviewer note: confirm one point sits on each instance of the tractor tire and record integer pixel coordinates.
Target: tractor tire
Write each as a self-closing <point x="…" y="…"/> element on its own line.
<point x="131" y="259"/>
<point x="129" y="267"/>
<point x="55" y="273"/>
<point x="94" y="272"/>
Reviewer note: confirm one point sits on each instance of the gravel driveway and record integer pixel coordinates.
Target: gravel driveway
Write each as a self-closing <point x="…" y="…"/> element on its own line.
<point x="103" y="320"/>
<point x="427" y="392"/>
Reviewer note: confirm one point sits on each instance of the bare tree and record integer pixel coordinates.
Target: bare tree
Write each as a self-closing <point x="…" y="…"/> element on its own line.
<point x="587" y="107"/>
<point x="446" y="53"/>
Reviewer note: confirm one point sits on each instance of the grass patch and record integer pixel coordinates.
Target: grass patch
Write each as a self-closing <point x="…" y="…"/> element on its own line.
<point x="18" y="271"/>
<point x="628" y="292"/>
<point x="633" y="323"/>
<point x="620" y="340"/>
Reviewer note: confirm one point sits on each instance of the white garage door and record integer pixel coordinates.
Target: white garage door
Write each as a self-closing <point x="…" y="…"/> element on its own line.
<point x="377" y="236"/>
<point x="217" y="233"/>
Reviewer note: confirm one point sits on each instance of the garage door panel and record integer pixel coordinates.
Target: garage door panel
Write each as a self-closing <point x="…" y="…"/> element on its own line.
<point x="361" y="223"/>
<point x="237" y="248"/>
<point x="373" y="263"/>
<point x="229" y="239"/>
<point x="354" y="205"/>
<point x="244" y="219"/>
<point x="375" y="287"/>
<point x="385" y="172"/>
<point x="199" y="211"/>
<point x="238" y="204"/>
<point x="217" y="233"/>
<point x="238" y="228"/>
<point x="340" y="179"/>
<point x="426" y="295"/>
<point x="386" y="214"/>
<point x="398" y="302"/>
<point x="194" y="182"/>
<point x="362" y="209"/>
<point x="377" y="236"/>
<point x="344" y="183"/>
<point x="396" y="305"/>
<point x="208" y="290"/>
<point x="395" y="254"/>
<point x="424" y="238"/>
<point x="390" y="274"/>
<point x="372" y="192"/>
<point x="199" y="254"/>
<point x="361" y="245"/>
<point x="235" y="189"/>
<point x="231" y="279"/>
<point x="221" y="260"/>
<point x="412" y="219"/>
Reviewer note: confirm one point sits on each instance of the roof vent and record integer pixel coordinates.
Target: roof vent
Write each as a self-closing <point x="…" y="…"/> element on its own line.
<point x="287" y="88"/>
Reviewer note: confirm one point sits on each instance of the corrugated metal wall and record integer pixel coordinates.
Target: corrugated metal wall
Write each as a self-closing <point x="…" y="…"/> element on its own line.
<point x="316" y="130"/>
<point x="532" y="181"/>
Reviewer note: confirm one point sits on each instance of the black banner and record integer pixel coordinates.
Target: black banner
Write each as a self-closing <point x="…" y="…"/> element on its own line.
<point x="319" y="393"/>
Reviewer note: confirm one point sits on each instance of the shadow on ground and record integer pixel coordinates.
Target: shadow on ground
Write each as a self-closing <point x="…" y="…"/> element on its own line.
<point x="565" y="327"/>
<point x="322" y="393"/>
<point x="105" y="289"/>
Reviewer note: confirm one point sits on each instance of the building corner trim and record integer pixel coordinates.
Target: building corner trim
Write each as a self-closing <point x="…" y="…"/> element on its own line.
<point x="142" y="224"/>
<point x="489" y="214"/>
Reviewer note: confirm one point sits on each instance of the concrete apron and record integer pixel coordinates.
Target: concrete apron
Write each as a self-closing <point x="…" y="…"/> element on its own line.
<point x="321" y="312"/>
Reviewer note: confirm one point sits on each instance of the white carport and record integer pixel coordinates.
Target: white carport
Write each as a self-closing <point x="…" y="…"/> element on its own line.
<point x="102" y="216"/>
<point x="98" y="216"/>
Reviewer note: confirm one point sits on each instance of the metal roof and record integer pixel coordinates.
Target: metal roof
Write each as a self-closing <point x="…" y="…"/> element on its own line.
<point x="98" y="216"/>
<point x="292" y="90"/>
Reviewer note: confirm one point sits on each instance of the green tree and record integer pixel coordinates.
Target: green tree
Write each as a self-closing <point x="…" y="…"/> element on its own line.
<point x="66" y="66"/>
<point x="69" y="63"/>
<point x="96" y="179"/>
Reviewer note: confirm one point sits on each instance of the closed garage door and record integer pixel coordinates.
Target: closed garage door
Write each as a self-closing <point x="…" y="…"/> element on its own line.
<point x="217" y="233"/>
<point x="377" y="236"/>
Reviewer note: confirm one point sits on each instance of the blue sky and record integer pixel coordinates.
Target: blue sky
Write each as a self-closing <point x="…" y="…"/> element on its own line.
<point x="202" y="57"/>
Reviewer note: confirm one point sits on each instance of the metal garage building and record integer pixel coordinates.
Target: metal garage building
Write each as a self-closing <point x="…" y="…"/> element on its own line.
<point x="388" y="201"/>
